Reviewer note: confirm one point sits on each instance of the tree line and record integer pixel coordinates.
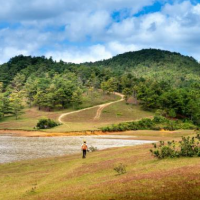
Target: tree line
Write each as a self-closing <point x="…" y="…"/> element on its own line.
<point x="158" y="80"/>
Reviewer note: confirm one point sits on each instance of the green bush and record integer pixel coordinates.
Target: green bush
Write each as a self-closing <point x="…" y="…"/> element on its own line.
<point x="145" y="124"/>
<point x="187" y="126"/>
<point x="187" y="147"/>
<point x="92" y="149"/>
<point x="158" y="123"/>
<point x="178" y="124"/>
<point x="159" y="119"/>
<point x="172" y="113"/>
<point x="46" y="124"/>
<point x="120" y="169"/>
<point x="171" y="126"/>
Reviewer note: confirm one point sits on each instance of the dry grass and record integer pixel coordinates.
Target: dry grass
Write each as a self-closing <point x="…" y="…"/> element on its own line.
<point x="115" y="113"/>
<point x="30" y="117"/>
<point x="112" y="114"/>
<point x="81" y="117"/>
<point x="97" y="98"/>
<point x="157" y="135"/>
<point x="123" y="112"/>
<point x="82" y="121"/>
<point x="70" y="177"/>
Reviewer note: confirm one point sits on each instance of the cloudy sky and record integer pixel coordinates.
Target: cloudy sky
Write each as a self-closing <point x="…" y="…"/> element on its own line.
<point x="90" y="30"/>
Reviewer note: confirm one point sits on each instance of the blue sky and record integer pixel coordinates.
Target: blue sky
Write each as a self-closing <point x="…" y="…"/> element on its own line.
<point x="90" y="30"/>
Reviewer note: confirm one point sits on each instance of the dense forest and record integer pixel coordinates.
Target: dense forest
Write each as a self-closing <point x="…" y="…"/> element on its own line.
<point x="159" y="80"/>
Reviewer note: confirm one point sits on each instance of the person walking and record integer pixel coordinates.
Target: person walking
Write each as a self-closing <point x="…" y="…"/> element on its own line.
<point x="84" y="148"/>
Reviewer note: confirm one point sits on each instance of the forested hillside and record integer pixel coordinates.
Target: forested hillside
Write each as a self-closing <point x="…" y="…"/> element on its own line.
<point x="152" y="63"/>
<point x="159" y="80"/>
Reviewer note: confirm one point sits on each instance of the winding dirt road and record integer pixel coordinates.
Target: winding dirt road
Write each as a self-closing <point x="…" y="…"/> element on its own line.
<point x="99" y="111"/>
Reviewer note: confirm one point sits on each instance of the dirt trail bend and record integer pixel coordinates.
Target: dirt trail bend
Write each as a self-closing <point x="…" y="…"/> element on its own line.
<point x="98" y="114"/>
<point x="101" y="107"/>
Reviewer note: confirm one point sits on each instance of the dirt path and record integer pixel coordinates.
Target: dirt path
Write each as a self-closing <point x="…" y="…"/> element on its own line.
<point x="101" y="107"/>
<point x="98" y="114"/>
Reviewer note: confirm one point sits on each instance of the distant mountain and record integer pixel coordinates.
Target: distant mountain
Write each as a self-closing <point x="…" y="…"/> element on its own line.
<point x="147" y="57"/>
<point x="147" y="63"/>
<point x="154" y="63"/>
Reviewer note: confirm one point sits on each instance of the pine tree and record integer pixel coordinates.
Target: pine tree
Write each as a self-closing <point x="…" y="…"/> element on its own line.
<point x="16" y="104"/>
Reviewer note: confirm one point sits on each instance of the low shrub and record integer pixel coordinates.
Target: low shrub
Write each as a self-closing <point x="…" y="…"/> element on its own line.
<point x="119" y="114"/>
<point x="157" y="123"/>
<point x="92" y="149"/>
<point x="159" y="119"/>
<point x="33" y="189"/>
<point x="120" y="169"/>
<point x="188" y="126"/>
<point x="145" y="124"/>
<point x="171" y="126"/>
<point x="46" y="124"/>
<point x="187" y="147"/>
<point x="105" y="111"/>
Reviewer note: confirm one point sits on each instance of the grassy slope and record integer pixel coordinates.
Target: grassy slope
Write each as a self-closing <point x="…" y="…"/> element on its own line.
<point x="29" y="118"/>
<point x="71" y="177"/>
<point x="81" y="121"/>
<point x="115" y="113"/>
<point x="120" y="112"/>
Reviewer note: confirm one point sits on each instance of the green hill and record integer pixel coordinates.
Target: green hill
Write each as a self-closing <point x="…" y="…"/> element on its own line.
<point x="156" y="64"/>
<point x="151" y="63"/>
<point x="158" y="79"/>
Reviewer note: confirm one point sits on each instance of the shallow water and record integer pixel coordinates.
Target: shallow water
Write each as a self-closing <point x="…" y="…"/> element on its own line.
<point x="24" y="148"/>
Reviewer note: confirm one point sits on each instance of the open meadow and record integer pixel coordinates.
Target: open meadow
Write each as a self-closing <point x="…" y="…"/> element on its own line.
<point x="81" y="121"/>
<point x="94" y="178"/>
<point x="30" y="116"/>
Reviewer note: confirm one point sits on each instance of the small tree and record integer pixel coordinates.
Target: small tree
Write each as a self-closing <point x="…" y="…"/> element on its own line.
<point x="16" y="104"/>
<point x="1" y="107"/>
<point x="1" y="87"/>
<point x="172" y="113"/>
<point x="104" y="86"/>
<point x="127" y="92"/>
<point x="76" y="98"/>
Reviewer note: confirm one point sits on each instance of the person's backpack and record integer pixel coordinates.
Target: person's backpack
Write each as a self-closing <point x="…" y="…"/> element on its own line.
<point x="84" y="146"/>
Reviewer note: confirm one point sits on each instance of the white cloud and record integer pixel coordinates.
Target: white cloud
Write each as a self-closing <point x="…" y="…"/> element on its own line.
<point x="37" y="9"/>
<point x="92" y="53"/>
<point x="89" y="32"/>
<point x="118" y="48"/>
<point x="79" y="55"/>
<point x="177" y="10"/>
<point x="8" y="52"/>
<point x="196" y="9"/>
<point x="84" y="24"/>
<point x="175" y="28"/>
<point x="123" y="29"/>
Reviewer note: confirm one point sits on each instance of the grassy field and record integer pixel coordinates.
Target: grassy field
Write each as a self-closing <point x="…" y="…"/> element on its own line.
<point x="82" y="121"/>
<point x="28" y="119"/>
<point x="115" y="113"/>
<point x="71" y="177"/>
<point x="30" y="116"/>
<point x="121" y="111"/>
